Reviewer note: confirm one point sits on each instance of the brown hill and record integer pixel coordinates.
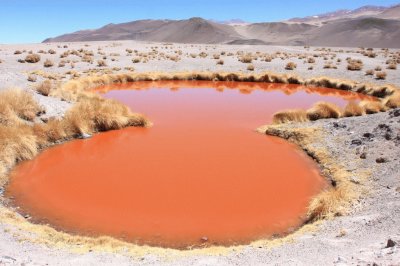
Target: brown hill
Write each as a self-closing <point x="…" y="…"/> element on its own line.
<point x="367" y="26"/>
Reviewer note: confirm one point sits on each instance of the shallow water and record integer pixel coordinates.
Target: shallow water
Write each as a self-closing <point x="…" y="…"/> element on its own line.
<point x="199" y="176"/>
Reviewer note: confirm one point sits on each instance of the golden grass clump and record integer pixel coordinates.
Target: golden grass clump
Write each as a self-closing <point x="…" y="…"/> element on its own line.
<point x="48" y="63"/>
<point x="323" y="110"/>
<point x="354" y="65"/>
<point x="32" y="58"/>
<point x="329" y="203"/>
<point x="101" y="63"/>
<point x="17" y="103"/>
<point x="17" y="143"/>
<point x="393" y="101"/>
<point x="353" y="109"/>
<point x="96" y="114"/>
<point x="44" y="88"/>
<point x="372" y="107"/>
<point x="290" y="66"/>
<point x="286" y="116"/>
<point x="250" y="67"/>
<point x="380" y="75"/>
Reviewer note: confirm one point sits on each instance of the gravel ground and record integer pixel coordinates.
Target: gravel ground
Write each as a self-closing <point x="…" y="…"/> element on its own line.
<point x="359" y="238"/>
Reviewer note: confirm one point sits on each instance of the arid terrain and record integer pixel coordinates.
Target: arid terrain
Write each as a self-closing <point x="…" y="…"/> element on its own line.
<point x="368" y="26"/>
<point x="365" y="147"/>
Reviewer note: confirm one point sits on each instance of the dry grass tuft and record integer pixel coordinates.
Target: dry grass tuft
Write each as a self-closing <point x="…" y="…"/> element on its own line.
<point x="380" y="75"/>
<point x="44" y="88"/>
<point x="353" y="109"/>
<point x="101" y="63"/>
<point x="290" y="66"/>
<point x="32" y="58"/>
<point x="48" y="63"/>
<point x="354" y="65"/>
<point x="371" y="107"/>
<point x="98" y="114"/>
<point x="286" y="116"/>
<point x="323" y="110"/>
<point x="17" y="103"/>
<point x="393" y="101"/>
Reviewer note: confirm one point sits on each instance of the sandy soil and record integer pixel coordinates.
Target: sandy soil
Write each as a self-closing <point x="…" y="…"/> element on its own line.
<point x="359" y="237"/>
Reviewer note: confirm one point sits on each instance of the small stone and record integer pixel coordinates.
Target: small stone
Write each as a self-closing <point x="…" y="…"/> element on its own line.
<point x="381" y="160"/>
<point x="368" y="136"/>
<point x="356" y="142"/>
<point x="363" y="155"/>
<point x="85" y="136"/>
<point x="390" y="243"/>
<point x="204" y="239"/>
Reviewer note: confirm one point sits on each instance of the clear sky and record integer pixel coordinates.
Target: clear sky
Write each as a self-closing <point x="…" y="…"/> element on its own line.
<point x="23" y="21"/>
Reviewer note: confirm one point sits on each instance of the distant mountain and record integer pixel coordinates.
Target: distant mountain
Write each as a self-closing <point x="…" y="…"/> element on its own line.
<point x="370" y="11"/>
<point x="371" y="26"/>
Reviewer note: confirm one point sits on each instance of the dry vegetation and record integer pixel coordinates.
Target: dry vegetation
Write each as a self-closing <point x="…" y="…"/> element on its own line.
<point x="21" y="137"/>
<point x="323" y="110"/>
<point x="32" y="58"/>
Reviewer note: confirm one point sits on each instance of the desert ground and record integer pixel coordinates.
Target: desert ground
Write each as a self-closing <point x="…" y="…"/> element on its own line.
<point x="366" y="234"/>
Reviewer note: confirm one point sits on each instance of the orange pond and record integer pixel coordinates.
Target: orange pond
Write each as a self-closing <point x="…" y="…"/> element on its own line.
<point x="199" y="176"/>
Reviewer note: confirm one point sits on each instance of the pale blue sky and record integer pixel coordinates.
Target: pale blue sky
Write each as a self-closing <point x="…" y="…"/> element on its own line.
<point x="23" y="21"/>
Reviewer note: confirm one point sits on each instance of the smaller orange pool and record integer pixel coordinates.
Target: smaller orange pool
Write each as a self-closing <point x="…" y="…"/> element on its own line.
<point x="199" y="176"/>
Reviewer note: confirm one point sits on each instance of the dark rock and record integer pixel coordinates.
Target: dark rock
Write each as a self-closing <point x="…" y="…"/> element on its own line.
<point x="363" y="155"/>
<point x="356" y="142"/>
<point x="368" y="136"/>
<point x="337" y="125"/>
<point x="390" y="243"/>
<point x="395" y="113"/>
<point x="381" y="160"/>
<point x="44" y="119"/>
<point x="388" y="136"/>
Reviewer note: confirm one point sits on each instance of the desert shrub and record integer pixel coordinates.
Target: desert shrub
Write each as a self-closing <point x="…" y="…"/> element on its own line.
<point x="246" y="59"/>
<point x="287" y="116"/>
<point x="101" y="63"/>
<point x="380" y="75"/>
<point x="330" y="65"/>
<point x="216" y="56"/>
<point x="311" y="60"/>
<point x="17" y="52"/>
<point x="129" y="51"/>
<point x="354" y="65"/>
<point x="392" y="66"/>
<point x="61" y="63"/>
<point x="32" y="58"/>
<point x="290" y="66"/>
<point x="32" y="78"/>
<point x="48" y="63"/>
<point x="353" y="109"/>
<point x="44" y="88"/>
<point x="369" y="72"/>
<point x="322" y="110"/>
<point x="51" y="51"/>
<point x="203" y="54"/>
<point x="250" y="67"/>
<point x="220" y="62"/>
<point x="378" y="68"/>
<point x="136" y="60"/>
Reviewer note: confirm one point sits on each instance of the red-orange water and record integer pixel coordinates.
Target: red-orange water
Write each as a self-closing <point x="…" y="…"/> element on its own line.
<point x="200" y="172"/>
